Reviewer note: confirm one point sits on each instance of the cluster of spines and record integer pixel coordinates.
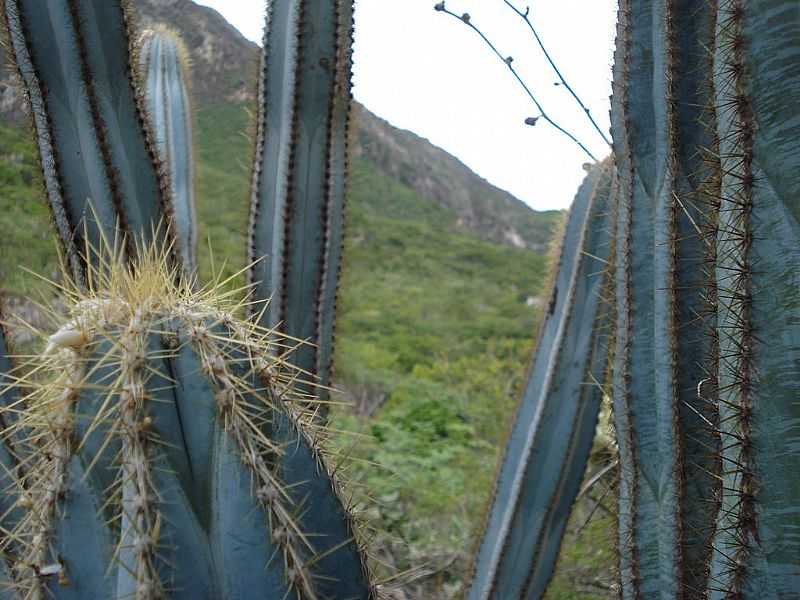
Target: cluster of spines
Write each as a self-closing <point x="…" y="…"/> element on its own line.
<point x="241" y="421"/>
<point x="44" y="485"/>
<point x="736" y="524"/>
<point x="140" y="494"/>
<point x="627" y="552"/>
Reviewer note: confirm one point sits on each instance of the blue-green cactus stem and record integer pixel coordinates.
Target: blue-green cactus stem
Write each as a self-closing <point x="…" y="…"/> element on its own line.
<point x="554" y="428"/>
<point x="757" y="83"/>
<point x="164" y="73"/>
<point x="100" y="169"/>
<point x="299" y="172"/>
<point x="13" y="448"/>
<point x="686" y="475"/>
<point x="336" y="192"/>
<point x="635" y="418"/>
<point x="175" y="462"/>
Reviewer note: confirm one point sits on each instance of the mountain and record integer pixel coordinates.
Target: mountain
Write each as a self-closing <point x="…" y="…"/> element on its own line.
<point x="224" y="71"/>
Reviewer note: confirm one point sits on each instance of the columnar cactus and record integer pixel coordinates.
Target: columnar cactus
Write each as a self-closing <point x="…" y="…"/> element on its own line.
<point x="172" y="458"/>
<point x="757" y="83"/>
<point x="161" y="447"/>
<point x="555" y="424"/>
<point x="299" y="170"/>
<point x="164" y="68"/>
<point x="705" y="372"/>
<point x="167" y="453"/>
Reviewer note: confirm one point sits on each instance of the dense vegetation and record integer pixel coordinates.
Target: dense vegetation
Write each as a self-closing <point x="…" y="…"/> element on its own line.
<point x="435" y="330"/>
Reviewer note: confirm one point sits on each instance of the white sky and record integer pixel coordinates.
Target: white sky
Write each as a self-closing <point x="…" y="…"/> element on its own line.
<point x="427" y="72"/>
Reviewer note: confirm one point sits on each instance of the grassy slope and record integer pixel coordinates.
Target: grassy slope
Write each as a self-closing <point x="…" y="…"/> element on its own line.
<point x="432" y="320"/>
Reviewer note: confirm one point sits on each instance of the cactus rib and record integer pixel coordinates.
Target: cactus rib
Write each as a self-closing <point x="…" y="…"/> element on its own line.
<point x="683" y="216"/>
<point x="757" y="538"/>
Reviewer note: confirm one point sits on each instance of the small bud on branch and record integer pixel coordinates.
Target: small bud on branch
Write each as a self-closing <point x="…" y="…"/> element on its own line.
<point x="508" y="60"/>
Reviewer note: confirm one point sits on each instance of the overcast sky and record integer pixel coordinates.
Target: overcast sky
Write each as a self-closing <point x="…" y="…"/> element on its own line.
<point x="427" y="72"/>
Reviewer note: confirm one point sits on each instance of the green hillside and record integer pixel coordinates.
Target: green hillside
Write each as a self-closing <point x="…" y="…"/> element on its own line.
<point x="433" y="338"/>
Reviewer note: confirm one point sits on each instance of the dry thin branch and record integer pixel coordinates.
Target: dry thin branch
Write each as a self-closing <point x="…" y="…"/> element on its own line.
<point x="507" y="60"/>
<point x="526" y="17"/>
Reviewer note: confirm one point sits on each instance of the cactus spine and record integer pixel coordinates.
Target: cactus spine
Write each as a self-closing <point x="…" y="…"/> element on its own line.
<point x="543" y="466"/>
<point x="163" y="63"/>
<point x="299" y="168"/>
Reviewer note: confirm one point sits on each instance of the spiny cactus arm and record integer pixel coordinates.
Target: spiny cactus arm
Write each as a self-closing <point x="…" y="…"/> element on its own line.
<point x="758" y="275"/>
<point x="99" y="167"/>
<point x="318" y="552"/>
<point x="165" y="72"/>
<point x="298" y="170"/>
<point x="40" y="35"/>
<point x="105" y="37"/>
<point x="683" y="342"/>
<point x="635" y="417"/>
<point x="554" y="427"/>
<point x="122" y="384"/>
